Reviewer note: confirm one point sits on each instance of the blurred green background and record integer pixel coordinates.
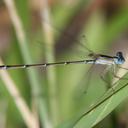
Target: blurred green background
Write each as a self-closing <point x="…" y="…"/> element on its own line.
<point x="54" y="31"/>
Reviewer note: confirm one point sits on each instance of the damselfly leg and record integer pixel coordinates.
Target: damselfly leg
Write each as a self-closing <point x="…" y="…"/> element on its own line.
<point x="115" y="77"/>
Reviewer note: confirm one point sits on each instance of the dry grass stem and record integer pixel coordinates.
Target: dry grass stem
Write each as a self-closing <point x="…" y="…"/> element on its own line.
<point x="49" y="52"/>
<point x="17" y="98"/>
<point x="20" y="33"/>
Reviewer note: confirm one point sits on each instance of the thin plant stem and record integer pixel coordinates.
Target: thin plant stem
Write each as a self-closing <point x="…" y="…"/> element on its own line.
<point x="27" y="115"/>
<point x="22" y="40"/>
<point x="50" y="56"/>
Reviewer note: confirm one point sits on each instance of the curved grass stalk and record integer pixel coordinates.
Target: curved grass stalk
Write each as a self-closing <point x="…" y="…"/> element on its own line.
<point x="105" y="104"/>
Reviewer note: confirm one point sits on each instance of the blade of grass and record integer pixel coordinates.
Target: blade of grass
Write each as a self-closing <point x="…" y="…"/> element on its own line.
<point x="27" y="115"/>
<point x="100" y="110"/>
<point x="49" y="53"/>
<point x="22" y="40"/>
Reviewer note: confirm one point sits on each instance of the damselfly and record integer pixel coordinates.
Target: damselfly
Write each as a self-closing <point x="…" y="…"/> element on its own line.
<point x="118" y="59"/>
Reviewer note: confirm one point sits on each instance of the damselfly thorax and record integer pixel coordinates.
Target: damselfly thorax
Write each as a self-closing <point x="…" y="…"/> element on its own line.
<point x="108" y="60"/>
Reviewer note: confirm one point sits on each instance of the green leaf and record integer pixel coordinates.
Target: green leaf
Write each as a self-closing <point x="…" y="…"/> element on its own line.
<point x="101" y="109"/>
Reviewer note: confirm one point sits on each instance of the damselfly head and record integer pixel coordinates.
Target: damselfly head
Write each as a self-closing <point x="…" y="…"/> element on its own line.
<point x="120" y="58"/>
